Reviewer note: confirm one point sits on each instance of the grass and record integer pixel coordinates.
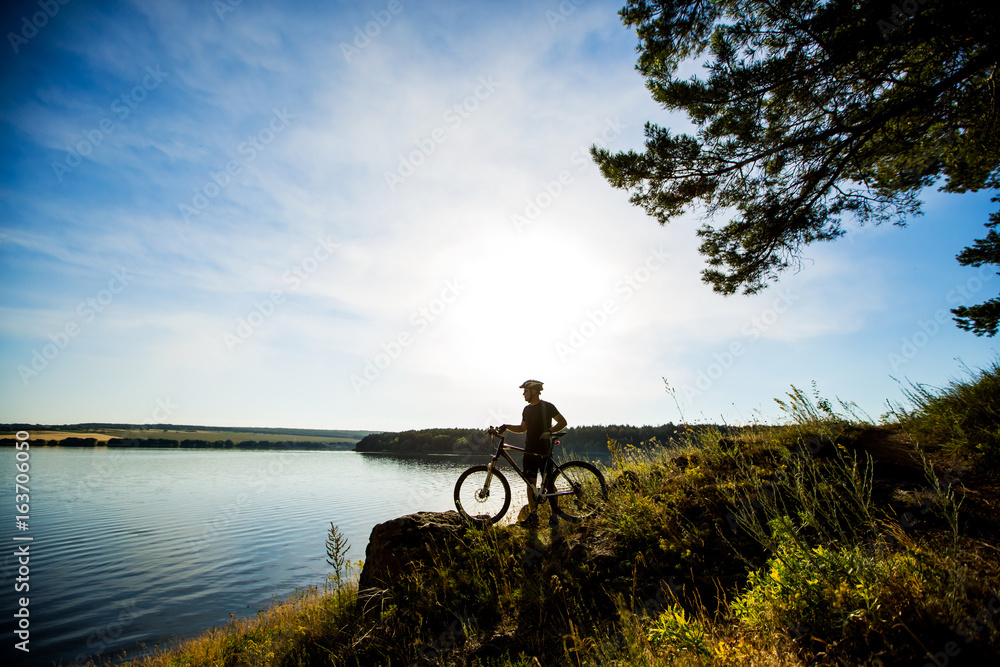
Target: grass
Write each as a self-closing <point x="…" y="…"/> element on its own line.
<point x="794" y="544"/>
<point x="963" y="417"/>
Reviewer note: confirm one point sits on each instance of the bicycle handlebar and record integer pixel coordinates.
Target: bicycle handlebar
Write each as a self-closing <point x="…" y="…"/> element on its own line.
<point x="495" y="431"/>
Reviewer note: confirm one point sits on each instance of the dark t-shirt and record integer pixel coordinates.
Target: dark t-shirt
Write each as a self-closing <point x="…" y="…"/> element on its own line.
<point x="532" y="416"/>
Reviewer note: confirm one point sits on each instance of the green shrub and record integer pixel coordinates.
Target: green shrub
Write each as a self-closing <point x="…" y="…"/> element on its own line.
<point x="675" y="630"/>
<point x="822" y="587"/>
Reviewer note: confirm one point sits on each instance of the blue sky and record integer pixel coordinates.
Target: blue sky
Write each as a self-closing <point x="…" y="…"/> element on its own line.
<point x="383" y="216"/>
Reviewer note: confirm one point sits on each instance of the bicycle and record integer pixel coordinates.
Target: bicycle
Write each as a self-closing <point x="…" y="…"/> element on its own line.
<point x="577" y="487"/>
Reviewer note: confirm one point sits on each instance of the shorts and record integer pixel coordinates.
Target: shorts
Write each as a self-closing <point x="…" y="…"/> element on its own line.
<point x="534" y="464"/>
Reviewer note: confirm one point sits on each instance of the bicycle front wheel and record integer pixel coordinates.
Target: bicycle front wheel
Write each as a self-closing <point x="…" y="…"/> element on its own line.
<point x="579" y="488"/>
<point x="478" y="503"/>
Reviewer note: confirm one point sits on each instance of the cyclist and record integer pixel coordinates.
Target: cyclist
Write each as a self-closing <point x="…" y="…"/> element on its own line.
<point x="536" y="423"/>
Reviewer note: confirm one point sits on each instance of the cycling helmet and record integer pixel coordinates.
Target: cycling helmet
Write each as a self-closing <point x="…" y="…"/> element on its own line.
<point x="531" y="384"/>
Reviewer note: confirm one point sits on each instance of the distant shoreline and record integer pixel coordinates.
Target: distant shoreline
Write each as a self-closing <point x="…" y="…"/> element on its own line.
<point x="159" y="443"/>
<point x="173" y="436"/>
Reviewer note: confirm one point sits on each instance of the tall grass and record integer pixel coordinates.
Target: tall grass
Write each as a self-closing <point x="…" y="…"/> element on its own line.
<point x="836" y="571"/>
<point x="811" y="490"/>
<point x="963" y="417"/>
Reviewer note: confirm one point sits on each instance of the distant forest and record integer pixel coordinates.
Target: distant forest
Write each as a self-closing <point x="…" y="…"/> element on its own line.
<point x="592" y="439"/>
<point x="172" y="436"/>
<point x="319" y="434"/>
<point x="167" y="443"/>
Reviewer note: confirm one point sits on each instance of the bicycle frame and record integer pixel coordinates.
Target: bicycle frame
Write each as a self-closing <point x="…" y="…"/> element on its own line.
<point x="503" y="447"/>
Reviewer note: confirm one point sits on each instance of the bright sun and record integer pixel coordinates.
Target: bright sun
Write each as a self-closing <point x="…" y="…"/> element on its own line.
<point x="523" y="296"/>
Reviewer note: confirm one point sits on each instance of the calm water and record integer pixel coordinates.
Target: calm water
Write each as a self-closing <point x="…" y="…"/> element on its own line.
<point x="142" y="547"/>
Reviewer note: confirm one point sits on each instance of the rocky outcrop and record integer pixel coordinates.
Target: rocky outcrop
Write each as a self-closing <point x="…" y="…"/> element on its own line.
<point x="396" y="545"/>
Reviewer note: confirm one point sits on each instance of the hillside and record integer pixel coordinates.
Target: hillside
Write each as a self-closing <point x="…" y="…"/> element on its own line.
<point x="826" y="540"/>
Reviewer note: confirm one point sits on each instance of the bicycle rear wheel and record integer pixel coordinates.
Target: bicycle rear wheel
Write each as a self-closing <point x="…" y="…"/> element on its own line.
<point x="477" y="503"/>
<point x="580" y="489"/>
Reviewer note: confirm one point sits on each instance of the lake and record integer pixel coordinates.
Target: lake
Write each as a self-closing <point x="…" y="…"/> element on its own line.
<point x="134" y="547"/>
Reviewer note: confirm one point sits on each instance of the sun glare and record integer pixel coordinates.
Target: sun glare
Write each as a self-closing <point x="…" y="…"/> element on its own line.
<point x="524" y="297"/>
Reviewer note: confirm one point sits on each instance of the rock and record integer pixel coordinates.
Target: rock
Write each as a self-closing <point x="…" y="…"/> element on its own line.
<point x="395" y="545"/>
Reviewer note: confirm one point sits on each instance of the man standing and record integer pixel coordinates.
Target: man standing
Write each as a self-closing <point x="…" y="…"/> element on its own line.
<point x="536" y="423"/>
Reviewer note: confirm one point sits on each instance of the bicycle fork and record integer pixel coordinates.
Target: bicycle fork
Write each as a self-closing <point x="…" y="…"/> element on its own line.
<point x="489" y="476"/>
